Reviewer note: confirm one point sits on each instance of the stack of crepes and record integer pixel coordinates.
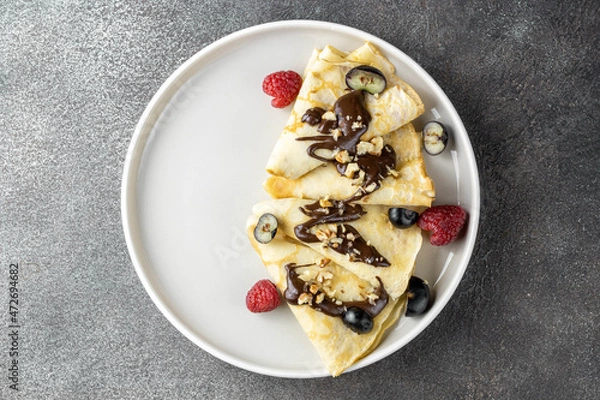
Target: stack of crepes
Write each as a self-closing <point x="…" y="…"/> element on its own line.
<point x="323" y="253"/>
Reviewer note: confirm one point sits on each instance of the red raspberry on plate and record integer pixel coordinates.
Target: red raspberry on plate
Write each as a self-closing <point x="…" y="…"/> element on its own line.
<point x="262" y="297"/>
<point x="444" y="222"/>
<point x="284" y="86"/>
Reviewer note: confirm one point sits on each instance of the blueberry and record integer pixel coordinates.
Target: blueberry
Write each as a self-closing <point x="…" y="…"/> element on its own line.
<point x="419" y="296"/>
<point x="435" y="137"/>
<point x="402" y="217"/>
<point x="365" y="77"/>
<point x="266" y="228"/>
<point x="358" y="320"/>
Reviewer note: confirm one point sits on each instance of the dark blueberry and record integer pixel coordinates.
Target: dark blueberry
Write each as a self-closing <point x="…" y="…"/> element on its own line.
<point x="419" y="296"/>
<point x="358" y="320"/>
<point x="266" y="228"/>
<point x="365" y="77"/>
<point x="402" y="217"/>
<point x="435" y="137"/>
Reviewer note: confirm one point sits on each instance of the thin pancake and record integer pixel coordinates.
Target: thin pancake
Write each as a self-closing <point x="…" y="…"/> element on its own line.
<point x="409" y="185"/>
<point x="323" y="84"/>
<point x="333" y="252"/>
<point x="398" y="246"/>
<point x="337" y="345"/>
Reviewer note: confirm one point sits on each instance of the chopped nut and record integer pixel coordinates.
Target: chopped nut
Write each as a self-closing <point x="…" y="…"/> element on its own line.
<point x="327" y="275"/>
<point x="343" y="157"/>
<point x="321" y="235"/>
<point x="304" y="298"/>
<point x="350" y="236"/>
<point x="336" y="134"/>
<point x="364" y="147"/>
<point x="325" y="203"/>
<point x="361" y="177"/>
<point x="357" y="125"/>
<point x="351" y="169"/>
<point x="337" y="240"/>
<point x="320" y="297"/>
<point x="322" y="262"/>
<point x="392" y="172"/>
<point x="377" y="146"/>
<point x="313" y="288"/>
<point x="372" y="297"/>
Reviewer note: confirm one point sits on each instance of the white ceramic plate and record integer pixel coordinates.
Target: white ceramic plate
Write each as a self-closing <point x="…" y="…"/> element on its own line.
<point x="195" y="168"/>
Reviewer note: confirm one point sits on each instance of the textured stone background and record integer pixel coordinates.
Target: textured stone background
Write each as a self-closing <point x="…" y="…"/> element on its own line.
<point x="75" y="77"/>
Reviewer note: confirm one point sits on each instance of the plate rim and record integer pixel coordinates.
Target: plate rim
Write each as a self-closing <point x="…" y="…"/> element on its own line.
<point x="138" y="143"/>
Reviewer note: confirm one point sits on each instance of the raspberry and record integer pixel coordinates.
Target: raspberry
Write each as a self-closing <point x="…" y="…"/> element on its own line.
<point x="444" y="222"/>
<point x="284" y="86"/>
<point x="262" y="297"/>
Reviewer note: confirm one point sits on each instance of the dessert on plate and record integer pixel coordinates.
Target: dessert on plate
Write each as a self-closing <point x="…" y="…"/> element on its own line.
<point x="347" y="180"/>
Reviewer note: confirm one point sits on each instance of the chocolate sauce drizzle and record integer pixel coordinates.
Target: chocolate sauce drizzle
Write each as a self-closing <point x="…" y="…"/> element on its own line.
<point x="329" y="218"/>
<point x="352" y="121"/>
<point x="339" y="135"/>
<point x="345" y="239"/>
<point x="329" y="306"/>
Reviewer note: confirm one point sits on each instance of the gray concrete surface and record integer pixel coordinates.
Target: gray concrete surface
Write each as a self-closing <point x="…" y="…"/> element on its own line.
<point x="75" y="77"/>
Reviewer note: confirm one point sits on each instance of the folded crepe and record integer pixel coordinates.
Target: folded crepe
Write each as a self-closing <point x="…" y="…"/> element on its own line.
<point x="332" y="184"/>
<point x="336" y="344"/>
<point x="370" y="246"/>
<point x="323" y="84"/>
<point x="407" y="185"/>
